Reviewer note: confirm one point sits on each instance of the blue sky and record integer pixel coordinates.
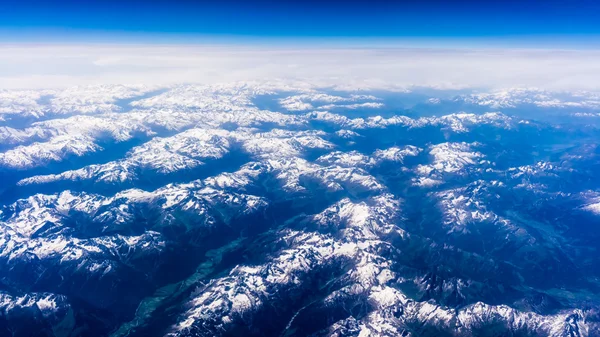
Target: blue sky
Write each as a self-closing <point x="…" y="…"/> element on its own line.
<point x="39" y="20"/>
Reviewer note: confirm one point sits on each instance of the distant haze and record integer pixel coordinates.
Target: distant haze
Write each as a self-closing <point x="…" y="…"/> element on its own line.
<point x="49" y="66"/>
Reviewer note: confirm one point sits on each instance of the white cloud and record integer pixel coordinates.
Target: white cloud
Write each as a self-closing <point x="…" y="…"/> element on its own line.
<point x="44" y="66"/>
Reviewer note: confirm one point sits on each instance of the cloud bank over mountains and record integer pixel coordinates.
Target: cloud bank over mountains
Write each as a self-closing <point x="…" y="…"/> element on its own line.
<point x="344" y="67"/>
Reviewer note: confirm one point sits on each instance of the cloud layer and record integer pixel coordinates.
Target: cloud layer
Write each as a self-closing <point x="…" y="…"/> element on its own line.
<point x="48" y="66"/>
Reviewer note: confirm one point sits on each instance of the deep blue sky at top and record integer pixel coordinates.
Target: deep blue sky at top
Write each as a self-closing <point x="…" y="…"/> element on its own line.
<point x="283" y="19"/>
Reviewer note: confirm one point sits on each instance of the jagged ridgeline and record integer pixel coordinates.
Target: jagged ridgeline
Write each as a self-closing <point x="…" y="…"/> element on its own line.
<point x="284" y="209"/>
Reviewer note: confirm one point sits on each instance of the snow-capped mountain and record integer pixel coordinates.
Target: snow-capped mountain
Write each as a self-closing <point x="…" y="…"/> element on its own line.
<point x="288" y="209"/>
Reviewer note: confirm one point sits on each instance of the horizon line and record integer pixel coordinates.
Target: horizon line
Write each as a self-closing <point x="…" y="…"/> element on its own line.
<point x="45" y="37"/>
